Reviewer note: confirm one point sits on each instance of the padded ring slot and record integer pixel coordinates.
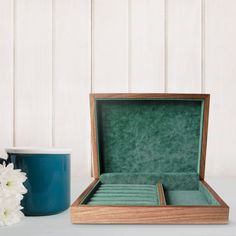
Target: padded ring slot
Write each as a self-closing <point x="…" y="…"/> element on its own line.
<point x="125" y="194"/>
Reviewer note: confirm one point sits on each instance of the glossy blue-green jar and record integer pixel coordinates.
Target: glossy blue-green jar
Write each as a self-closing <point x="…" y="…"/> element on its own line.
<point x="48" y="179"/>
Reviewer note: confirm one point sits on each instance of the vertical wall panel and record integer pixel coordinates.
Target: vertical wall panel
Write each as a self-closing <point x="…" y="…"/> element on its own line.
<point x="33" y="73"/>
<point x="6" y="74"/>
<point x="110" y="46"/>
<point x="147" y="46"/>
<point x="72" y="64"/>
<point x="184" y="45"/>
<point x="221" y="84"/>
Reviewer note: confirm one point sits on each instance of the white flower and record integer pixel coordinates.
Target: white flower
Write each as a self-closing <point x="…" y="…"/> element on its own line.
<point x="11" y="190"/>
<point x="11" y="180"/>
<point x="10" y="210"/>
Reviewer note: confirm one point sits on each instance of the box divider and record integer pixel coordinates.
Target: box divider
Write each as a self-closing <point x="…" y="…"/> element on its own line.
<point x="160" y="190"/>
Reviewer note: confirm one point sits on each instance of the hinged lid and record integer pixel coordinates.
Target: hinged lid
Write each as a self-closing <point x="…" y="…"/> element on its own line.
<point x="149" y="133"/>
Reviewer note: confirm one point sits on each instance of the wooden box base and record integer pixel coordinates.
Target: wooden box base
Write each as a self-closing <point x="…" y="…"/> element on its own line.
<point x="87" y="214"/>
<point x="104" y="106"/>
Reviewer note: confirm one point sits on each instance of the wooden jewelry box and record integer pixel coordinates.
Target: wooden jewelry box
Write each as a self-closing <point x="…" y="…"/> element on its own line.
<point x="149" y="154"/>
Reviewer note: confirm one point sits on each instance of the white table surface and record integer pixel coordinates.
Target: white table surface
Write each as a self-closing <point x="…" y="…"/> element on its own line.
<point x="59" y="225"/>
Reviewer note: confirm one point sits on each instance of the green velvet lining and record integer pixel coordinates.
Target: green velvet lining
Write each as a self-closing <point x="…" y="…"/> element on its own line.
<point x="147" y="195"/>
<point x="171" y="181"/>
<point x="185" y="198"/>
<point x="149" y="136"/>
<point x="125" y="194"/>
<point x="210" y="199"/>
<point x="145" y="141"/>
<point x="200" y="196"/>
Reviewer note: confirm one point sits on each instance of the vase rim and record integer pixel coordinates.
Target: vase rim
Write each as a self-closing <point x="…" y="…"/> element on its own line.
<point x="37" y="150"/>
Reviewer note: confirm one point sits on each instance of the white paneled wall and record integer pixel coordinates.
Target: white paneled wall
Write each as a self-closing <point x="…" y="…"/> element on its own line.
<point x="33" y="72"/>
<point x="53" y="53"/>
<point x="220" y="82"/>
<point x="6" y="74"/>
<point x="72" y="80"/>
<point x="110" y="45"/>
<point x="147" y="46"/>
<point x="184" y="46"/>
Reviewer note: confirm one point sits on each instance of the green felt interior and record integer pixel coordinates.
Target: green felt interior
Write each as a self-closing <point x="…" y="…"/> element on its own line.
<point x="147" y="195"/>
<point x="148" y="137"/>
<point x="200" y="196"/>
<point x="172" y="181"/>
<point x="125" y="194"/>
<point x="145" y="141"/>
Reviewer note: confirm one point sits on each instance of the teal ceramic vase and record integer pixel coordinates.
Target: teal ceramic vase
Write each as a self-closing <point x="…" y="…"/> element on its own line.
<point x="48" y="179"/>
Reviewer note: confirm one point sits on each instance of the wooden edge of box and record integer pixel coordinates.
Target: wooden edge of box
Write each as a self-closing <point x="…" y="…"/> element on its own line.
<point x="150" y="215"/>
<point x="204" y="136"/>
<point x="87" y="214"/>
<point x="149" y="95"/>
<point x="162" y="198"/>
<point x="76" y="203"/>
<point x="215" y="195"/>
<point x="95" y="166"/>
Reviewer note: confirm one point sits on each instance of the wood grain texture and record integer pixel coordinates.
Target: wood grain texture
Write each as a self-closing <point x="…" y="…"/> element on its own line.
<point x="84" y="194"/>
<point x="6" y="75"/>
<point x="184" y="46"/>
<point x="216" y="196"/>
<point x="95" y="161"/>
<point x="146" y="46"/>
<point x="149" y="215"/>
<point x="71" y="79"/>
<point x="33" y="73"/>
<point x="204" y="136"/>
<point x="110" y="46"/>
<point x="162" y="198"/>
<point x="150" y="95"/>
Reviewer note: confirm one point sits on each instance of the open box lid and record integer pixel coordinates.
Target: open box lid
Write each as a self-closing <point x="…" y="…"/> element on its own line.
<point x="149" y="133"/>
